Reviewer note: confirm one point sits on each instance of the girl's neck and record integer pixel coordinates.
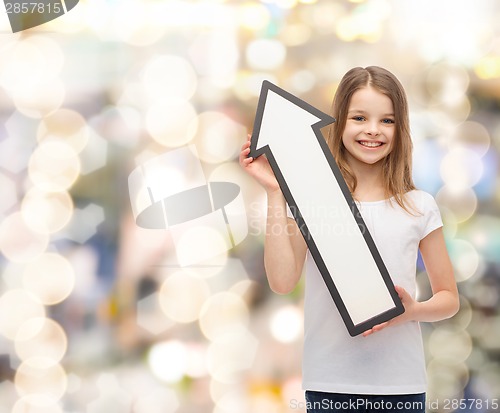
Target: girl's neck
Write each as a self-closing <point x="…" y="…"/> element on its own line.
<point x="370" y="182"/>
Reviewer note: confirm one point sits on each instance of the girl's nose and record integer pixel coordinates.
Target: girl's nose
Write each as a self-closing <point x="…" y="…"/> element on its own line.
<point x="372" y="129"/>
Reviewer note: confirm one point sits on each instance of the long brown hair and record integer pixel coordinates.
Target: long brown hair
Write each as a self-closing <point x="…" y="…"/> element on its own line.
<point x="397" y="165"/>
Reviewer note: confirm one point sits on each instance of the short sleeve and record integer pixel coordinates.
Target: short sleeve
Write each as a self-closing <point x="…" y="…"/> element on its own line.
<point x="431" y="218"/>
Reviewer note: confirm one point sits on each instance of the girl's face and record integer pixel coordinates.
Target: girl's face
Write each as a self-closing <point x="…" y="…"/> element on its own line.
<point x="370" y="127"/>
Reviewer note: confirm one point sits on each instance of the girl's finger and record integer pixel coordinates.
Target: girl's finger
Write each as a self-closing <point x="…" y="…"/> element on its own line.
<point x="379" y="327"/>
<point x="244" y="154"/>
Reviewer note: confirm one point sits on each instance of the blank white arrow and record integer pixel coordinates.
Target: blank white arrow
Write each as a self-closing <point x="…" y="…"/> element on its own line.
<point x="287" y="130"/>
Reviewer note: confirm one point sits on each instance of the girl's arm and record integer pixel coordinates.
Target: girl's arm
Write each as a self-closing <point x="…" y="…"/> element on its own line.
<point x="444" y="302"/>
<point x="284" y="246"/>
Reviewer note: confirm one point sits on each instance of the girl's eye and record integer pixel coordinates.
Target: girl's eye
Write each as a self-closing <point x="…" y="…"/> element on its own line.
<point x="388" y="121"/>
<point x="358" y="118"/>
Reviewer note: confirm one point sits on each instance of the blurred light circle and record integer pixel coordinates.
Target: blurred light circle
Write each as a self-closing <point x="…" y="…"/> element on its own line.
<point x="215" y="56"/>
<point x="286" y="324"/>
<point x="464" y="316"/>
<point x="477" y="359"/>
<point x="465" y="259"/>
<point x="17" y="307"/>
<point x="265" y="54"/>
<point x="134" y="23"/>
<point x="18" y="242"/>
<point x="42" y="377"/>
<point x="265" y="401"/>
<point x="218" y="389"/>
<point x="202" y="244"/>
<point x="447" y="84"/>
<point x="168" y="360"/>
<point x="208" y="268"/>
<point x="46" y="212"/>
<point x="22" y="56"/>
<point x="171" y="123"/>
<point x="459" y="111"/>
<point x="230" y="354"/>
<point x="121" y="125"/>
<point x="244" y="288"/>
<point x="41" y="337"/>
<point x="450" y="223"/>
<point x="218" y="138"/>
<point x="253" y="16"/>
<point x="40" y="99"/>
<point x="286" y="4"/>
<point x="95" y="154"/>
<point x="446" y="381"/>
<point x="157" y="400"/>
<point x="302" y="81"/>
<point x="182" y="297"/>
<point x="50" y="277"/>
<point x="9" y="193"/>
<point x="37" y="403"/>
<point x="323" y="17"/>
<point x="169" y="77"/>
<point x="131" y="94"/>
<point x="483" y="232"/>
<point x="232" y="172"/>
<point x="292" y="389"/>
<point x="347" y="28"/>
<point x="488" y="67"/>
<point x="461" y="168"/>
<point x="52" y="52"/>
<point x="66" y="125"/>
<point x="222" y="313"/>
<point x="295" y="34"/>
<point x="196" y="366"/>
<point x="17" y="65"/>
<point x="450" y="346"/>
<point x="248" y="84"/>
<point x="237" y="401"/>
<point x="54" y="166"/>
<point x="472" y="135"/>
<point x="462" y="203"/>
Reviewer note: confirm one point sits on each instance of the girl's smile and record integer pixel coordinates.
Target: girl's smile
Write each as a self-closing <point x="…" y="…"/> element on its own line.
<point x="371" y="144"/>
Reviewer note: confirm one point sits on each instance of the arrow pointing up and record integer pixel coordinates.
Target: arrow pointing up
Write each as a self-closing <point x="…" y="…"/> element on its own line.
<point x="287" y="130"/>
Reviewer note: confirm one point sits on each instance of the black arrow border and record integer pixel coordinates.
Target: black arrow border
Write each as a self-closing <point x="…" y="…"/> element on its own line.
<point x="353" y="329"/>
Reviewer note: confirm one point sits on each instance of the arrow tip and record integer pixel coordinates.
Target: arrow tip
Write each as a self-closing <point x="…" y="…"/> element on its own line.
<point x="278" y="108"/>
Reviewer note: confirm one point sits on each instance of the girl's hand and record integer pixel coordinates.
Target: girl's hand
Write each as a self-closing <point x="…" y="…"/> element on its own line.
<point x="410" y="306"/>
<point x="258" y="168"/>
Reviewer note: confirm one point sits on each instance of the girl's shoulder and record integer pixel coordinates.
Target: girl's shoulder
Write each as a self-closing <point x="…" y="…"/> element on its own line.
<point x="418" y="195"/>
<point x="421" y="200"/>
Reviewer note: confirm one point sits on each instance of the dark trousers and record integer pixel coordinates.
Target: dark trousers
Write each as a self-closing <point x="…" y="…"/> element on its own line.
<point x="319" y="402"/>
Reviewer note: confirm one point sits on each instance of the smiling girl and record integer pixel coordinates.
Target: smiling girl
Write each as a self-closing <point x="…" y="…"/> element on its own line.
<point x="384" y="369"/>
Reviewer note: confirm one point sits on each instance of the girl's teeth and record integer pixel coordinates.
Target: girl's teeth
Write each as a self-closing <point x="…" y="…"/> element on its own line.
<point x="370" y="144"/>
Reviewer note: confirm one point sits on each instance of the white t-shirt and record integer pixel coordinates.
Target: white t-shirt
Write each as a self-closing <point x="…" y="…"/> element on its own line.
<point x="390" y="361"/>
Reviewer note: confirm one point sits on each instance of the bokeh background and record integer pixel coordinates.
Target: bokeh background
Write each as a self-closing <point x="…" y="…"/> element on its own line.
<point x="95" y="316"/>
